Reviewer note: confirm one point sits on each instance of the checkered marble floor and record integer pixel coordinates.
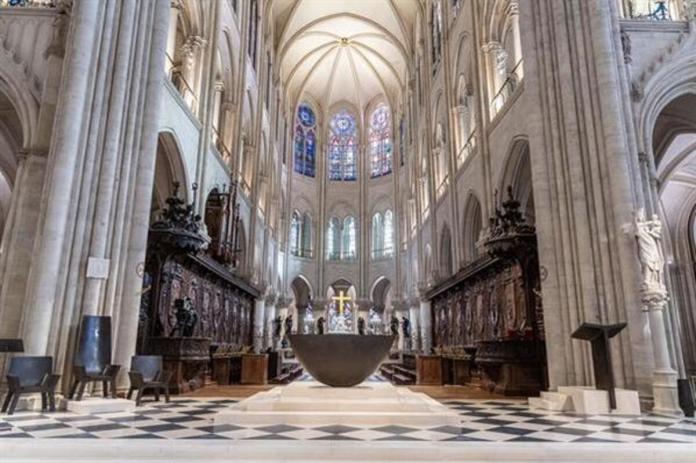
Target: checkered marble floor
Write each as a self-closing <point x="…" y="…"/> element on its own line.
<point x="493" y="421"/>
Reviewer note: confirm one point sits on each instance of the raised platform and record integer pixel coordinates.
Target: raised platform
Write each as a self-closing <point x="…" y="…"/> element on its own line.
<point x="311" y="403"/>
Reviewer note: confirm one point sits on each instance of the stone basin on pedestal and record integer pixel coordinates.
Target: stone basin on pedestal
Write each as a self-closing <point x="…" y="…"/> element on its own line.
<point x="340" y="360"/>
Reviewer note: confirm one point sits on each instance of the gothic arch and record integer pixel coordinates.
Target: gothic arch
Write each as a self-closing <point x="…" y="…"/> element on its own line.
<point x="380" y="293"/>
<point x="472" y="225"/>
<point x="673" y="147"/>
<point x="19" y="98"/>
<point x="302" y="291"/>
<point x="517" y="174"/>
<point x="446" y="259"/>
<point x="169" y="168"/>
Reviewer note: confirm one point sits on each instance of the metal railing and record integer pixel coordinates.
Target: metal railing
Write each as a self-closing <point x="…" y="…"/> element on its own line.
<point x="177" y="78"/>
<point x="220" y="146"/>
<point x="662" y="12"/>
<point x="383" y="253"/>
<point x="303" y="253"/>
<point x="28" y="3"/>
<point x="442" y="186"/>
<point x="507" y="89"/>
<point x="466" y="150"/>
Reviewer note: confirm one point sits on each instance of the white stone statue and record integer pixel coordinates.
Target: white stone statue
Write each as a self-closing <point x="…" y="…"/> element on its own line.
<point x="648" y="235"/>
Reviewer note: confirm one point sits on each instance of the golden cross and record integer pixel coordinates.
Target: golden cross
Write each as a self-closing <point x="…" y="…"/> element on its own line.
<point x="341" y="299"/>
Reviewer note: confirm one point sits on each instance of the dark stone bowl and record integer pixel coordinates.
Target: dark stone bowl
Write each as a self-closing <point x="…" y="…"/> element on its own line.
<point x="340" y="360"/>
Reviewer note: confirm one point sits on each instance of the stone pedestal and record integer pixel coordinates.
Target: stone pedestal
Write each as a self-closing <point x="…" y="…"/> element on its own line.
<point x="588" y="401"/>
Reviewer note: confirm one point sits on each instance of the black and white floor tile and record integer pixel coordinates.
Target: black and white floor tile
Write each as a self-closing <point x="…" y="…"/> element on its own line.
<point x="493" y="421"/>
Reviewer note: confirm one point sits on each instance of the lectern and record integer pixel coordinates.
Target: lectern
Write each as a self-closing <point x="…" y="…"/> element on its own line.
<point x="599" y="336"/>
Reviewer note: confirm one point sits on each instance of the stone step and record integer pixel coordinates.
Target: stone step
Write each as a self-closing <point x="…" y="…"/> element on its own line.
<point x="552" y="401"/>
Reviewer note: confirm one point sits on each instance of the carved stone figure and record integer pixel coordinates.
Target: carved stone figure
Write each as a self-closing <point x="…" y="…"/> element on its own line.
<point x="288" y="324"/>
<point x="320" y="325"/>
<point x="186" y="318"/>
<point x="406" y="327"/>
<point x="277" y="327"/>
<point x="394" y="326"/>
<point x="648" y="234"/>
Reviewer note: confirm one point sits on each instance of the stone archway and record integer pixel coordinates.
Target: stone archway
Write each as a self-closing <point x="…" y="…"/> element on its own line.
<point x="674" y="155"/>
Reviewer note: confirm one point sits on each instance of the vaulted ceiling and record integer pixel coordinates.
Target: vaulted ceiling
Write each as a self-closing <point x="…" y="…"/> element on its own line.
<point x="336" y="50"/>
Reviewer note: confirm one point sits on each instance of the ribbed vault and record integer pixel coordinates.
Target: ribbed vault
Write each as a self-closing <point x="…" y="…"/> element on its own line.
<point x="354" y="51"/>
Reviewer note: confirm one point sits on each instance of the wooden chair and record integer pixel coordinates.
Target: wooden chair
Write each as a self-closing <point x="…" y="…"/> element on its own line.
<point x="31" y="375"/>
<point x="146" y="373"/>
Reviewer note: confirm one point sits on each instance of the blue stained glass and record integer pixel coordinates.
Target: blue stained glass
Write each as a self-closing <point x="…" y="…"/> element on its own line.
<point x="380" y="142"/>
<point x="306" y="116"/>
<point x="310" y="152"/>
<point x="305" y="141"/>
<point x="342" y="147"/>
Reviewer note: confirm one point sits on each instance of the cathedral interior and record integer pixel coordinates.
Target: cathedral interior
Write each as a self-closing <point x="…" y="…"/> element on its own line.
<point x="488" y="204"/>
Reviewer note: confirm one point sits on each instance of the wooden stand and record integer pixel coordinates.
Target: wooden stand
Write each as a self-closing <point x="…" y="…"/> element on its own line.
<point x="255" y="369"/>
<point x="429" y="370"/>
<point x="599" y="336"/>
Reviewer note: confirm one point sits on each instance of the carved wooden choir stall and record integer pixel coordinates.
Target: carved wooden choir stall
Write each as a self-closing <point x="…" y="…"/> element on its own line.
<point x="487" y="319"/>
<point x="193" y="303"/>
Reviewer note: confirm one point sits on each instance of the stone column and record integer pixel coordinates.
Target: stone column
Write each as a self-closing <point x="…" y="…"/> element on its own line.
<point x="426" y="324"/>
<point x="47" y="258"/>
<point x="174" y="9"/>
<point x="259" y="319"/>
<point x="133" y="257"/>
<point x="665" y="393"/>
<point x="270" y="315"/>
<point x="415" y="328"/>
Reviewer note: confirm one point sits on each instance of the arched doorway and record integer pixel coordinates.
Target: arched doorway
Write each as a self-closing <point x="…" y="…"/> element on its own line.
<point x="11" y="142"/>
<point x="674" y="154"/>
<point x="301" y="310"/>
<point x="17" y="230"/>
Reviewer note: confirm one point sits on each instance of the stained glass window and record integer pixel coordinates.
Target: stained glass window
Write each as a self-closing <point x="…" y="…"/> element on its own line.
<point x="348" y="248"/>
<point x="380" y="142"/>
<point x="305" y="141"/>
<point x="377" y="235"/>
<point x="343" y="147"/>
<point x="306" y="235"/>
<point x="295" y="233"/>
<point x="333" y="239"/>
<point x="388" y="233"/>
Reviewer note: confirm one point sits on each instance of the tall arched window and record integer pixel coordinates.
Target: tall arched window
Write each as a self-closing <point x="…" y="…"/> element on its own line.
<point x="295" y="233"/>
<point x="436" y="18"/>
<point x="305" y="141"/>
<point x="380" y="142"/>
<point x="377" y="235"/>
<point x="253" y="31"/>
<point x="333" y="239"/>
<point x="342" y="147"/>
<point x="383" y="234"/>
<point x="306" y="235"/>
<point x="348" y="245"/>
<point x="388" y="233"/>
